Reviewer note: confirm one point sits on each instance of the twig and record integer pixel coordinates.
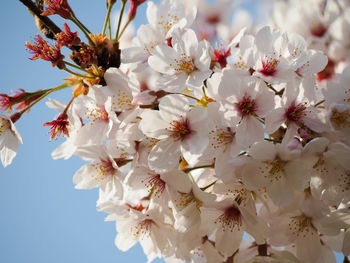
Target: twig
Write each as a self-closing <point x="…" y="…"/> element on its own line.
<point x="44" y="19"/>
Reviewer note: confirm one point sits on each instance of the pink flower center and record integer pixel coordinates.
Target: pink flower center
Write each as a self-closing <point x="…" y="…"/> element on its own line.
<point x="180" y="129"/>
<point x="269" y="67"/>
<point x="59" y="126"/>
<point x="295" y="113"/>
<point x="246" y="106"/>
<point x="230" y="219"/>
<point x="103" y="170"/>
<point x="155" y="185"/>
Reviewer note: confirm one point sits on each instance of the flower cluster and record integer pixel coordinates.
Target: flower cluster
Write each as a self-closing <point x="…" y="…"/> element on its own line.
<point x="212" y="143"/>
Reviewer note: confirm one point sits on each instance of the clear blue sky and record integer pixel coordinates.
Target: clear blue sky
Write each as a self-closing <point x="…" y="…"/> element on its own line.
<point x="43" y="218"/>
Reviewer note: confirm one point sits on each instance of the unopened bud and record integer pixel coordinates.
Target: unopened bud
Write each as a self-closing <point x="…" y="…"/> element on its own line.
<point x="133" y="8"/>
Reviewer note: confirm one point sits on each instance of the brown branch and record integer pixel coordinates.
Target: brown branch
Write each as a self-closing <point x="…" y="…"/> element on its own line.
<point x="44" y="19"/>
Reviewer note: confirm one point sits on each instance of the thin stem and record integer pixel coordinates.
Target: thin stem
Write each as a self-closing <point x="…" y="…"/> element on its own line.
<point x="109" y="9"/>
<point x="80" y="23"/>
<point x="126" y="25"/>
<point x="68" y="105"/>
<point x="198" y="167"/>
<point x="77" y="74"/>
<point x="120" y="18"/>
<point x="188" y="96"/>
<point x="206" y="187"/>
<point x="86" y="33"/>
<point x="319" y="103"/>
<point x="63" y="86"/>
<point x="109" y="28"/>
<point x="44" y="19"/>
<point x="77" y="67"/>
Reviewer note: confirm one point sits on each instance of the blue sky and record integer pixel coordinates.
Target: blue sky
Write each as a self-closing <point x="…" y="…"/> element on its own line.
<point x="43" y="218"/>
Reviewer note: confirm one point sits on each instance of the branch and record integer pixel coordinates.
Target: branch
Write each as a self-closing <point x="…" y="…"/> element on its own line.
<point x="44" y="19"/>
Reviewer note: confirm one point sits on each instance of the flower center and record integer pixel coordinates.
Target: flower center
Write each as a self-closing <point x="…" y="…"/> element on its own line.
<point x="180" y="129"/>
<point x="4" y="125"/>
<point x="295" y="112"/>
<point x="246" y="106"/>
<point x="269" y="67"/>
<point x="98" y="113"/>
<point x="221" y="137"/>
<point x="184" y="64"/>
<point x="142" y="228"/>
<point x="340" y="119"/>
<point x="167" y="22"/>
<point x="103" y="170"/>
<point x="230" y="219"/>
<point x="155" y="185"/>
<point x="301" y="226"/>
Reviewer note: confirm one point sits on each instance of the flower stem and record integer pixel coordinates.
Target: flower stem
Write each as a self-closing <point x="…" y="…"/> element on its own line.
<point x="126" y="25"/>
<point x="109" y="9"/>
<point x="206" y="187"/>
<point x="77" y="74"/>
<point x="120" y="18"/>
<point x="319" y="103"/>
<point x="49" y="91"/>
<point x="198" y="167"/>
<point x="83" y="29"/>
<point x="75" y="66"/>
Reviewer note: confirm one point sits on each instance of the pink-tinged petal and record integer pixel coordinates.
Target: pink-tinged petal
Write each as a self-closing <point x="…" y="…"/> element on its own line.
<point x="164" y="156"/>
<point x="297" y="174"/>
<point x="264" y="99"/>
<point x="124" y="241"/>
<point x="65" y="150"/>
<point x="264" y="39"/>
<point x="254" y="225"/>
<point x="111" y="190"/>
<point x="7" y="154"/>
<point x="255" y="175"/>
<point x="153" y="125"/>
<point x="263" y="151"/>
<point x="249" y="131"/>
<point x="196" y="78"/>
<point x="133" y="54"/>
<point x="207" y="199"/>
<point x="226" y="241"/>
<point x="163" y="59"/>
<point x="172" y="83"/>
<point x="178" y="180"/>
<point x="202" y="59"/>
<point x="229" y="83"/>
<point x="185" y="42"/>
<point x="292" y="130"/>
<point x="317" y="62"/>
<point x="152" y="13"/>
<point x="83" y="180"/>
<point x="224" y="169"/>
<point x="173" y="107"/>
<point x="309" y="248"/>
<point x="280" y="191"/>
<point x="339" y="153"/>
<point x="274" y="120"/>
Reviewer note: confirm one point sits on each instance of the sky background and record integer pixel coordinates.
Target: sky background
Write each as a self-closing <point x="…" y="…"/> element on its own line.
<point x="43" y="217"/>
